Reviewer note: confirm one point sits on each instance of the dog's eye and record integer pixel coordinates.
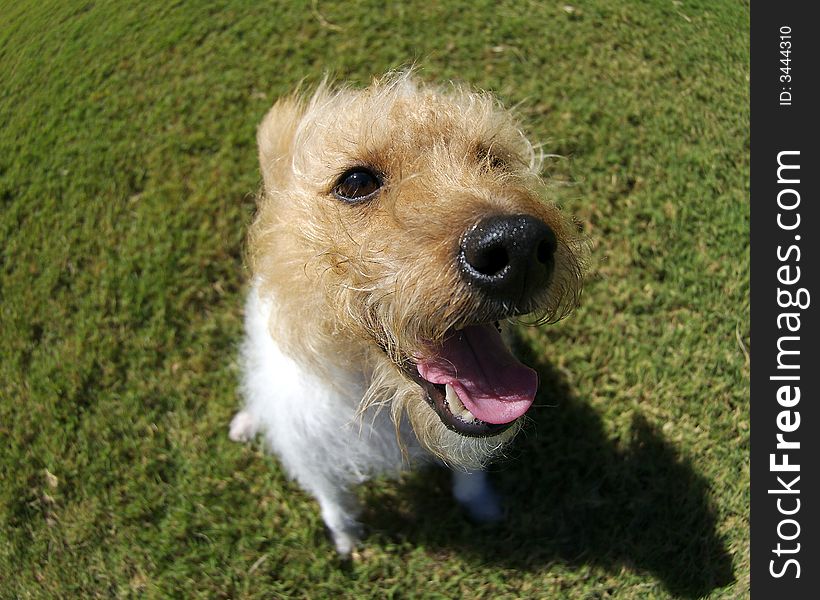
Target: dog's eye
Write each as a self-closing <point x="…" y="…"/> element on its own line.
<point x="356" y="185"/>
<point x="497" y="163"/>
<point x="492" y="160"/>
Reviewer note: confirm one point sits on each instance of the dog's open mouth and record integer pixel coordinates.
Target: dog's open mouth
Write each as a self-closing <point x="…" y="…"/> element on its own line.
<point x="474" y="383"/>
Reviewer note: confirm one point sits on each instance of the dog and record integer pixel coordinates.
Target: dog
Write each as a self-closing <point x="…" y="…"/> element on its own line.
<point x="397" y="227"/>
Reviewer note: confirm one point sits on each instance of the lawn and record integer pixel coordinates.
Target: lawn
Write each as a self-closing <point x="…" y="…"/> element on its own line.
<point x="127" y="179"/>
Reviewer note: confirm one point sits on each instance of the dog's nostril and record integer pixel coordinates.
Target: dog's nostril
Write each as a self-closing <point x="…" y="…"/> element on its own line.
<point x="489" y="261"/>
<point x="545" y="250"/>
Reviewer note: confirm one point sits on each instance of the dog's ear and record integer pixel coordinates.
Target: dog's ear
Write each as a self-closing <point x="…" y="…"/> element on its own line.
<point x="275" y="138"/>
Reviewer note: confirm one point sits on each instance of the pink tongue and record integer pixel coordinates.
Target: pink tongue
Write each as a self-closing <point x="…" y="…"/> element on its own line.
<point x="487" y="378"/>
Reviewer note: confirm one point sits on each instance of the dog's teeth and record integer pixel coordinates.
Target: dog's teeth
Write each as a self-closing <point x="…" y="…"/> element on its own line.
<point x="456" y="406"/>
<point x="453" y="401"/>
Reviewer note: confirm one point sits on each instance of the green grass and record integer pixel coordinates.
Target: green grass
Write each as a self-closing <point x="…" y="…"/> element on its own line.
<point x="127" y="173"/>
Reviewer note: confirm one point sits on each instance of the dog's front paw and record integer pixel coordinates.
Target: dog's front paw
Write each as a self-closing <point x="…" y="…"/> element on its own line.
<point x="485" y="509"/>
<point x="243" y="427"/>
<point x="348" y="538"/>
<point x="474" y="492"/>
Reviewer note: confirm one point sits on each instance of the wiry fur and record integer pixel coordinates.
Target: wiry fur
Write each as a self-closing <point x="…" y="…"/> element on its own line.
<point x="343" y="294"/>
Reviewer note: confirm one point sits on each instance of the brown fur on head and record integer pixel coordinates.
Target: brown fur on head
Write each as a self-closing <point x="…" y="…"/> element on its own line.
<point x="376" y="282"/>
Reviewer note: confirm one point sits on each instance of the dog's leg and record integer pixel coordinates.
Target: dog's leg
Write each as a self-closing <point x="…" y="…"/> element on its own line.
<point x="473" y="491"/>
<point x="244" y="427"/>
<point x="339" y="512"/>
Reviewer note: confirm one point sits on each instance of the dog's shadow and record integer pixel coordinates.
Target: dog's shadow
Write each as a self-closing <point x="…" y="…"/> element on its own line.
<point x="574" y="497"/>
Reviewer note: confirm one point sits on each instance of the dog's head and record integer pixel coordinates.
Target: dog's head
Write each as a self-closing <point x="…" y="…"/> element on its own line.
<point x="397" y="226"/>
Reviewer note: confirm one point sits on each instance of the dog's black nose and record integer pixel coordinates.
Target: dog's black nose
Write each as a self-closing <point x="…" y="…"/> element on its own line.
<point x="508" y="257"/>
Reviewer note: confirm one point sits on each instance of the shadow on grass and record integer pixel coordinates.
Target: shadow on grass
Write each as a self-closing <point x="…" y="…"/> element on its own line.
<point x="574" y="497"/>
